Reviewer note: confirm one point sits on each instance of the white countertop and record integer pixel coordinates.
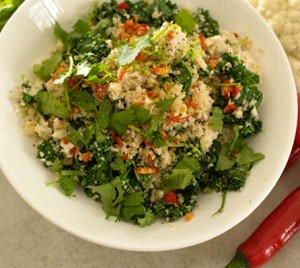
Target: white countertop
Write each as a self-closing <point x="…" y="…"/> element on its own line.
<point x="28" y="240"/>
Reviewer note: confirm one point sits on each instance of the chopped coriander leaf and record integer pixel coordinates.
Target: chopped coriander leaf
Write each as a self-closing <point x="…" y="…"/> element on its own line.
<point x="178" y="179"/>
<point x="119" y="121"/>
<point x="99" y="74"/>
<point x="67" y="184"/>
<point x="48" y="67"/>
<point x="153" y="127"/>
<point x="185" y="20"/>
<point x="247" y="156"/>
<point x="148" y="219"/>
<point x="188" y="163"/>
<point x="128" y="212"/>
<point x="49" y="105"/>
<point x="164" y="105"/>
<point x="102" y="115"/>
<point x="225" y="159"/>
<point x="111" y="195"/>
<point x="83" y="100"/>
<point x="60" y="33"/>
<point x="217" y="119"/>
<point x="141" y="114"/>
<point x="127" y="54"/>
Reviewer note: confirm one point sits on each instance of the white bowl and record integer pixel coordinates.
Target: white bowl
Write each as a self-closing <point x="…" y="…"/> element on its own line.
<point x="28" y="37"/>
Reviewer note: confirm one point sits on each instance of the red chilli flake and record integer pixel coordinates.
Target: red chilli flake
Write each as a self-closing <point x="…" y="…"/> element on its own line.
<point x="203" y="42"/>
<point x="73" y="151"/>
<point x="171" y="198"/>
<point x="117" y="139"/>
<point x="230" y="107"/>
<point x="122" y="5"/>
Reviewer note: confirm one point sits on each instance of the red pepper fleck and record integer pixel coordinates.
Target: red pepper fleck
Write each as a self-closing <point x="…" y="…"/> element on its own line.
<point x="64" y="140"/>
<point x="86" y="157"/>
<point x="171" y="198"/>
<point x="149" y="160"/>
<point x="125" y="157"/>
<point x="73" y="151"/>
<point x="100" y="90"/>
<point x="117" y="139"/>
<point x="121" y="73"/>
<point x="203" y="42"/>
<point x="230" y="107"/>
<point x="192" y="104"/>
<point x="73" y="82"/>
<point x="178" y="119"/>
<point x="235" y="91"/>
<point x="226" y="92"/>
<point x="122" y="5"/>
<point x="212" y="62"/>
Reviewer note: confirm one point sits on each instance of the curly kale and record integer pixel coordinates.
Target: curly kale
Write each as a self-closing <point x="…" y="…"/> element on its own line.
<point x="207" y="25"/>
<point x="140" y="9"/>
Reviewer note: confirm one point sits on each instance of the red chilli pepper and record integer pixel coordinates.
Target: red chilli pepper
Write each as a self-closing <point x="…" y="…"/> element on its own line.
<point x="294" y="156"/>
<point x="297" y="137"/>
<point x="273" y="233"/>
<point x="295" y="153"/>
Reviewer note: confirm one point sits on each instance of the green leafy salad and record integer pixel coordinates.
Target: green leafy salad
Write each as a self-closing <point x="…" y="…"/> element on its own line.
<point x="145" y="106"/>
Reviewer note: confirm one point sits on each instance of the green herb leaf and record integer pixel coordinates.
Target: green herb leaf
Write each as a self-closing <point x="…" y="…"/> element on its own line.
<point x="83" y="100"/>
<point x="60" y="33"/>
<point x="185" y="20"/>
<point x="189" y="163"/>
<point x="49" y="105"/>
<point x="97" y="71"/>
<point x="120" y="120"/>
<point x="57" y="165"/>
<point x="148" y="219"/>
<point x="48" y="67"/>
<point x="102" y="115"/>
<point x="111" y="195"/>
<point x="216" y="121"/>
<point x="102" y="119"/>
<point x="164" y="105"/>
<point x="225" y="160"/>
<point x="247" y="156"/>
<point x="141" y="114"/>
<point x="134" y="199"/>
<point x="127" y="213"/>
<point x="127" y="54"/>
<point x="67" y="184"/>
<point x="84" y="138"/>
<point x="178" y="179"/>
<point x="153" y="127"/>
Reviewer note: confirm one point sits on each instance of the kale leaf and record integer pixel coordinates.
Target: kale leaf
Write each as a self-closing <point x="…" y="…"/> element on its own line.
<point x="208" y="26"/>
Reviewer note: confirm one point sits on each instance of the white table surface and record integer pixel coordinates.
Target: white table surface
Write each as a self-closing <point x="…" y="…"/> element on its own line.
<point x="27" y="240"/>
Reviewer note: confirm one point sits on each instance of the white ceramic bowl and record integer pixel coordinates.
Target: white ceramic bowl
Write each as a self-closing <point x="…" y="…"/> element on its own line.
<point x="28" y="37"/>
